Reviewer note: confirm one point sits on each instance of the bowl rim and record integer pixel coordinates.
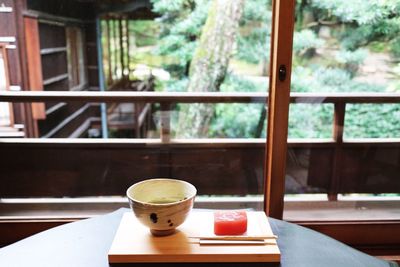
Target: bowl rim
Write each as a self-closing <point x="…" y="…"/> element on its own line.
<point x="162" y="204"/>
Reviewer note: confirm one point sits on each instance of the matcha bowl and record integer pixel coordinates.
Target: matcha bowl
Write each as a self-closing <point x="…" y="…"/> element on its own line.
<point x="161" y="204"/>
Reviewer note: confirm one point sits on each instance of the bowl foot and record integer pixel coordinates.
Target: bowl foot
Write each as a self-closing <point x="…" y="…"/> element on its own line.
<point x="162" y="232"/>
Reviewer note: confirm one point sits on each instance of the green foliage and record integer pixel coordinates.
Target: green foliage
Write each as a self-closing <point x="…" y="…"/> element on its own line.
<point x="395" y="47"/>
<point x="235" y="120"/>
<point x="323" y="79"/>
<point x="253" y="41"/>
<point x="170" y="7"/>
<point x="145" y="32"/>
<point x="319" y="65"/>
<point x="234" y="83"/>
<point x="372" y="121"/>
<point x="351" y="60"/>
<point x="304" y="40"/>
<point x="174" y="85"/>
<point x="359" y="11"/>
<point x="377" y="47"/>
<point x="181" y="22"/>
<point x="351" y="57"/>
<point x="358" y="35"/>
<point x="365" y="21"/>
<point x="310" y="121"/>
<point x="257" y="10"/>
<point x="253" y="47"/>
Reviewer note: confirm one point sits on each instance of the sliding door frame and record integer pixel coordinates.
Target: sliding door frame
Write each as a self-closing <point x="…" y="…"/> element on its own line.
<point x="278" y="106"/>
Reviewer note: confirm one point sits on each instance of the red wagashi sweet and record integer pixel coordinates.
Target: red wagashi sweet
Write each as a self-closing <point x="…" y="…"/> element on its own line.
<point x="230" y="222"/>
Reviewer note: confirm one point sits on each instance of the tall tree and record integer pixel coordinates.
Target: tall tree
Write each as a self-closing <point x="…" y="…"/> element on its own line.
<point x="210" y="63"/>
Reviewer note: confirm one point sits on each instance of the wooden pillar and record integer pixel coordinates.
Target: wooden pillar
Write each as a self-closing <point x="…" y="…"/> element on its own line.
<point x="278" y="106"/>
<point x="34" y="64"/>
<point x="3" y="55"/>
<point x="165" y="122"/>
<point x="31" y="128"/>
<point x="102" y="85"/>
<point x="131" y="45"/>
<point x="338" y="125"/>
<point x="115" y="44"/>
<point x="109" y="74"/>
<point x="127" y="48"/>
<point x="121" y="46"/>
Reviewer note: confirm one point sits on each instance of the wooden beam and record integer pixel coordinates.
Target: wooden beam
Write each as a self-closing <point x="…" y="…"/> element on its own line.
<point x="47" y="18"/>
<point x="55" y="108"/>
<point x="82" y="130"/>
<point x="52" y="50"/>
<point x="133" y="143"/>
<point x="126" y="96"/>
<point x="124" y="7"/>
<point x="55" y="79"/>
<point x="214" y="142"/>
<point x="31" y="129"/>
<point x="67" y="121"/>
<point x="193" y="97"/>
<point x="34" y="64"/>
<point x="347" y="97"/>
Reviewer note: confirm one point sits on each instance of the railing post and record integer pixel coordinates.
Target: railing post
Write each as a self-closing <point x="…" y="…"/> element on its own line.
<point x="110" y="77"/>
<point x="102" y="84"/>
<point x="136" y="118"/>
<point x="121" y="45"/>
<point x="165" y="121"/>
<point x="338" y="127"/>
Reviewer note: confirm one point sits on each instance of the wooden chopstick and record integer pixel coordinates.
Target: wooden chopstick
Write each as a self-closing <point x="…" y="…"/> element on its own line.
<point x="235" y="237"/>
<point x="235" y="242"/>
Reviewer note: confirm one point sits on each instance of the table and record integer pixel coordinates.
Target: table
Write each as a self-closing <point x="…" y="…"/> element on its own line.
<point x="86" y="243"/>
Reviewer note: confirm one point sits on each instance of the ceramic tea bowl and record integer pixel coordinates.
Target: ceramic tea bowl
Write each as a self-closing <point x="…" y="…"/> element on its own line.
<point x="161" y="204"/>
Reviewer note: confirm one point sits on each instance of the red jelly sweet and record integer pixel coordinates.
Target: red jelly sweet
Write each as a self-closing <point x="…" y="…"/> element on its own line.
<point x="230" y="222"/>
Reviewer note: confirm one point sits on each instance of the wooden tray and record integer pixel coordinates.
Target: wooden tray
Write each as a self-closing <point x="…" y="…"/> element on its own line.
<point x="133" y="242"/>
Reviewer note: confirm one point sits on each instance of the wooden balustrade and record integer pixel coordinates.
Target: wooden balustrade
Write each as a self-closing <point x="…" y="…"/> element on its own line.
<point x="341" y="160"/>
<point x="194" y="97"/>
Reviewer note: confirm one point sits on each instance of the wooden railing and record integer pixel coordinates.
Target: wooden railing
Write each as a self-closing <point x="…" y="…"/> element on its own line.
<point x="333" y="162"/>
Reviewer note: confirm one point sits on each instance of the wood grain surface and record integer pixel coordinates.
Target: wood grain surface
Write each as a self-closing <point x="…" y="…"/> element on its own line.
<point x="133" y="243"/>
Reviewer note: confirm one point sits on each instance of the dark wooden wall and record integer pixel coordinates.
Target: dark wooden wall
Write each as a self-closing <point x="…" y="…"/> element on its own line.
<point x="98" y="168"/>
<point x="89" y="170"/>
<point x="54" y="17"/>
<point x="62" y="119"/>
<point x="91" y="55"/>
<point x="54" y="64"/>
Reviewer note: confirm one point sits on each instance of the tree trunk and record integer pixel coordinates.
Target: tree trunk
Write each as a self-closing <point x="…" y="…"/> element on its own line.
<point x="210" y="63"/>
